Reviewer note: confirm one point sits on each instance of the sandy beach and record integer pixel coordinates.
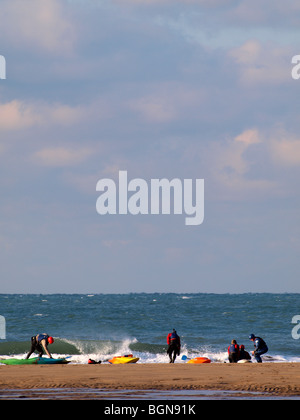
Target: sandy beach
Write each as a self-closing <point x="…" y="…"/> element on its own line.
<point x="276" y="379"/>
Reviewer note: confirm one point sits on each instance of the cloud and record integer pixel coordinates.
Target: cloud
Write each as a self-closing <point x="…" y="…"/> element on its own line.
<point x="286" y="152"/>
<point x="248" y="137"/>
<point x="259" y="63"/>
<point x="166" y="103"/>
<point x="62" y="114"/>
<point x="61" y="156"/>
<point x="154" y="108"/>
<point x="232" y="169"/>
<point x="270" y="12"/>
<point x="18" y="115"/>
<point x="255" y="163"/>
<point x="232" y="161"/>
<point x="38" y="24"/>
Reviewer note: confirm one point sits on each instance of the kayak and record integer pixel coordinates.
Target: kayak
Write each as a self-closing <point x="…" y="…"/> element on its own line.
<point x="128" y="358"/>
<point x="34" y="361"/>
<point x="198" y="360"/>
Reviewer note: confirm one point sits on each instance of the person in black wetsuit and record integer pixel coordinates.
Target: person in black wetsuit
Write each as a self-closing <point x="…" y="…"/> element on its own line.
<point x="40" y="343"/>
<point x="243" y="354"/>
<point x="173" y="341"/>
<point x="260" y="347"/>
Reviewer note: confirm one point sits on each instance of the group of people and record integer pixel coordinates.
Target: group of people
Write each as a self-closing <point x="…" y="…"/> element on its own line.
<point x="236" y="352"/>
<point x="40" y="343"/>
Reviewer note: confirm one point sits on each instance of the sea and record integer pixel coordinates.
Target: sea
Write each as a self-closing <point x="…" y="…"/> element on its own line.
<point x="100" y="326"/>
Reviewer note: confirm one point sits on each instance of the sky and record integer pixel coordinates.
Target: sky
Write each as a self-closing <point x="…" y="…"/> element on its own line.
<point x="187" y="89"/>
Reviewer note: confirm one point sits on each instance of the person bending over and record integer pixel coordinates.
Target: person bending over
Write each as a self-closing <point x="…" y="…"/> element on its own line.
<point x="40" y="343"/>
<point x="260" y="347"/>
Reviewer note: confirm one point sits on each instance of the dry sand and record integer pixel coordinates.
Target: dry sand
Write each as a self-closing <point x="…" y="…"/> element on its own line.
<point x="278" y="379"/>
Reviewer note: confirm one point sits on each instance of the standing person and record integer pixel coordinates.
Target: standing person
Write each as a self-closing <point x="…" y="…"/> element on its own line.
<point x="40" y="343"/>
<point x="173" y="341"/>
<point x="260" y="347"/>
<point x="233" y="352"/>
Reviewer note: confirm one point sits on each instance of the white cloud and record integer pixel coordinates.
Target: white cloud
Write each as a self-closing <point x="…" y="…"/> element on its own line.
<point x="286" y="152"/>
<point x="249" y="137"/>
<point x="230" y="167"/>
<point x="37" y="24"/>
<point x="262" y="63"/>
<point x="17" y="115"/>
<point x="255" y="163"/>
<point x="232" y="162"/>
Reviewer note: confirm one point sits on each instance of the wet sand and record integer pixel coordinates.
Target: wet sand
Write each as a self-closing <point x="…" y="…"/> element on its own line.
<point x="275" y="379"/>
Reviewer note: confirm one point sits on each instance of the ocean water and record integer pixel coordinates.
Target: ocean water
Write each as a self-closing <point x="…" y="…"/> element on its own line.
<point x="104" y="325"/>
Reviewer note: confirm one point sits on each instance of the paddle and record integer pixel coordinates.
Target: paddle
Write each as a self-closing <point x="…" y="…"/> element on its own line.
<point x="184" y="357"/>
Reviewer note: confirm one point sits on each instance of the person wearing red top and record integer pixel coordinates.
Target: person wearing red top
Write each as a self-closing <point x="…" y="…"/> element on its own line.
<point x="233" y="352"/>
<point x="173" y="341"/>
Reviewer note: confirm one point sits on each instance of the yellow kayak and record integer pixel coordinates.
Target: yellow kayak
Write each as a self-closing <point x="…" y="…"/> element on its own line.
<point x="128" y="358"/>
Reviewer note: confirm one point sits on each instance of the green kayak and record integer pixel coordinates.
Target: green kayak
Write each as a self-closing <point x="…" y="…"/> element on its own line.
<point x="34" y="361"/>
